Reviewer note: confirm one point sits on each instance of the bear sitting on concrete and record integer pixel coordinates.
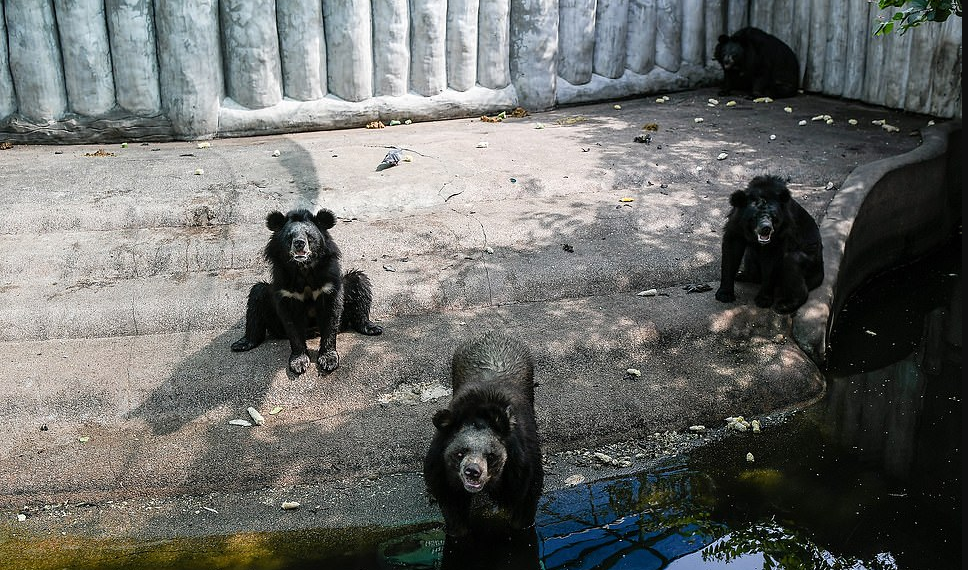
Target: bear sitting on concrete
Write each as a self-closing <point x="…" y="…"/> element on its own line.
<point x="757" y="63"/>
<point x="781" y="244"/>
<point x="487" y="439"/>
<point x="307" y="295"/>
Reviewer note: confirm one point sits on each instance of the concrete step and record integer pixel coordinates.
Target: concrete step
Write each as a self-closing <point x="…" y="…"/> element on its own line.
<point x="173" y="279"/>
<point x="156" y="407"/>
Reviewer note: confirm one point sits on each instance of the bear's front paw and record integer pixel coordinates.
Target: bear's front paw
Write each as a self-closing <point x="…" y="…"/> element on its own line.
<point x="786" y="307"/>
<point x="763" y="301"/>
<point x="372" y="329"/>
<point x="725" y="296"/>
<point x="329" y="360"/>
<point x="298" y="363"/>
<point x="242" y="345"/>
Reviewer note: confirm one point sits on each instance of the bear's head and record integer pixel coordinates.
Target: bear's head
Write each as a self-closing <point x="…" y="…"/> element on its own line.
<point x="730" y="53"/>
<point x="476" y="450"/>
<point x="300" y="236"/>
<point x="763" y="207"/>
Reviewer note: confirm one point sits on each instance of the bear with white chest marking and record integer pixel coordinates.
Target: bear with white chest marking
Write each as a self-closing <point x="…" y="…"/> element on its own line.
<point x="776" y="241"/>
<point x="308" y="294"/>
<point x="487" y="438"/>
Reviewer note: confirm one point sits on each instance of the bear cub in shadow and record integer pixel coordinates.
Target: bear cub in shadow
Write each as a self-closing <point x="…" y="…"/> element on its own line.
<point x="487" y="438"/>
<point x="307" y="294"/>
<point x="780" y="242"/>
<point x="757" y="63"/>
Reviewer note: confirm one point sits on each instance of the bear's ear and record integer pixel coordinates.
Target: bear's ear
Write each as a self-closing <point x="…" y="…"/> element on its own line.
<point x="275" y="221"/>
<point x="443" y="419"/>
<point x="738" y="199"/>
<point x="783" y="194"/>
<point x="324" y="219"/>
<point x="502" y="420"/>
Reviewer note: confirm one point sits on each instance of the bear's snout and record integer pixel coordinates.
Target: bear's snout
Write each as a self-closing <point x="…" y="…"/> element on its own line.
<point x="764" y="231"/>
<point x="473" y="475"/>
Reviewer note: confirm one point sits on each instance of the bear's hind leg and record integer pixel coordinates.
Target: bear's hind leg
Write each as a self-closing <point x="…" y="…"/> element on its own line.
<point x="357" y="298"/>
<point x="256" y="318"/>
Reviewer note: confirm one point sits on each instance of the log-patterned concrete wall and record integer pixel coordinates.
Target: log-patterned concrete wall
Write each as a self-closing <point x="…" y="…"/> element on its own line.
<point x="87" y="70"/>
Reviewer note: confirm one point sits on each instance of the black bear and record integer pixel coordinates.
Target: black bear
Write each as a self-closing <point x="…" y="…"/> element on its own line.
<point x="757" y="63"/>
<point x="487" y="438"/>
<point x="307" y="294"/>
<point x="780" y="241"/>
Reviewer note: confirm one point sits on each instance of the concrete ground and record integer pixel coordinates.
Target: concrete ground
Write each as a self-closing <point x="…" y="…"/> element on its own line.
<point x="125" y="268"/>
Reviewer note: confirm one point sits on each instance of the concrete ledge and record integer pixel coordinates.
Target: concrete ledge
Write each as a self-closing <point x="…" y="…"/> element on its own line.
<point x="886" y="213"/>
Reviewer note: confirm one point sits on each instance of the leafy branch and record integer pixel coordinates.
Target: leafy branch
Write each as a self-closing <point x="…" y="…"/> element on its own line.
<point x="913" y="13"/>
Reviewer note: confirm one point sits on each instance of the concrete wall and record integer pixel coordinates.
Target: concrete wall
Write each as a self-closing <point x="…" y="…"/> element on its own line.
<point x="875" y="196"/>
<point x="105" y="70"/>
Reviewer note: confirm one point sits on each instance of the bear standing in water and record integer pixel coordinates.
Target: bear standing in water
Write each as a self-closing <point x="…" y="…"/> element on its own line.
<point x="307" y="295"/>
<point x="780" y="242"/>
<point x="487" y="439"/>
<point x="757" y="63"/>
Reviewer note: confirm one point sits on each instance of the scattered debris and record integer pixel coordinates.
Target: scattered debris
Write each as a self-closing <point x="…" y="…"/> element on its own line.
<point x="749" y="457"/>
<point x="388" y="268"/>
<point x="890" y="128"/>
<point x="634" y="372"/>
<point x="617" y="107"/>
<point x="712" y="102"/>
<point x="99" y="152"/>
<point x="5" y="145"/>
<point x="662" y="99"/>
<point x="495" y="119"/>
<point x="575" y="480"/>
<point x="755" y="425"/>
<point x="626" y="199"/>
<point x="737" y="423"/>
<point x="210" y="509"/>
<point x="697" y="429"/>
<point x="275" y="410"/>
<point x="276" y="152"/>
<point x="852" y="121"/>
<point x="83" y="439"/>
<point x="788" y="109"/>
<point x="698" y="119"/>
<point x="571" y="120"/>
<point x="375" y="125"/>
<point x="199" y="171"/>
<point x="763" y="100"/>
<point x="240" y="422"/>
<point x="539" y="125"/>
<point x="722" y="156"/>
<point x="489" y="250"/>
<point x="290" y="505"/>
<point x="567" y="248"/>
<point x="203" y="145"/>
<point x="731" y="103"/>
<point x="647" y="139"/>
<point x="648" y="293"/>
<point x="394" y="123"/>
<point x="802" y="122"/>
<point x="870" y="332"/>
<point x="391" y="159"/>
<point x="256" y="416"/>
<point x="829" y="186"/>
<point x="124" y="145"/>
<point x="650" y="127"/>
<point x="519" y="112"/>
<point x="697" y="288"/>
<point x="21" y="517"/>
<point x="482" y="144"/>
<point x="822" y="118"/>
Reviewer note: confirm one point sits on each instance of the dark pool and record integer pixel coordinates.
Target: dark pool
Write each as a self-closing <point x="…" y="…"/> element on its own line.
<point x="869" y="478"/>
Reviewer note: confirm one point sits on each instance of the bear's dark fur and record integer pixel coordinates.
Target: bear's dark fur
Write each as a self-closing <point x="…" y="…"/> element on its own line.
<point x="757" y="63"/>
<point x="487" y="438"/>
<point x="780" y="241"/>
<point x="307" y="294"/>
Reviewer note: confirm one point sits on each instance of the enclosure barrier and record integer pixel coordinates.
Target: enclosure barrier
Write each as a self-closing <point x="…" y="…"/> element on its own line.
<point x="128" y="70"/>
